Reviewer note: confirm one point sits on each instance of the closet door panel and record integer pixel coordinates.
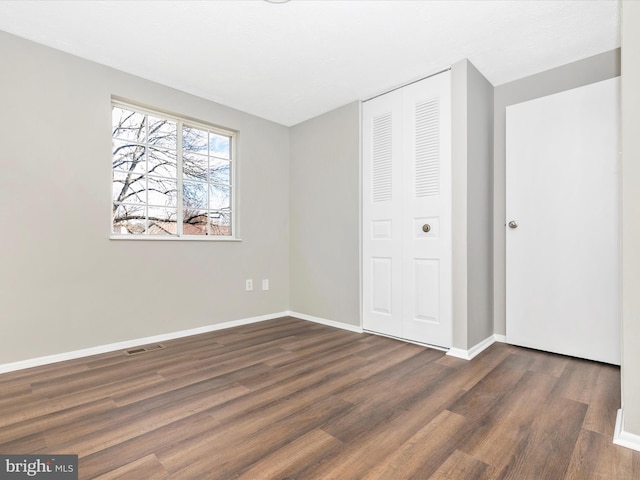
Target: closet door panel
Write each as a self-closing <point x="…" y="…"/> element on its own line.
<point x="382" y="209"/>
<point x="426" y="202"/>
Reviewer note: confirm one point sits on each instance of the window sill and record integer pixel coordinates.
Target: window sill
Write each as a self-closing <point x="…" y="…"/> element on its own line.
<point x="158" y="238"/>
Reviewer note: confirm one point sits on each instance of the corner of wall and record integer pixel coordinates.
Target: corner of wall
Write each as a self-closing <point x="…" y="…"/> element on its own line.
<point x="459" y="202"/>
<point x="472" y="158"/>
<point x="479" y="205"/>
<point x="324" y="265"/>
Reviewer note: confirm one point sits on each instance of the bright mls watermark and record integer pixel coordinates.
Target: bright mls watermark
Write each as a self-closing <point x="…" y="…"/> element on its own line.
<point x="50" y="467"/>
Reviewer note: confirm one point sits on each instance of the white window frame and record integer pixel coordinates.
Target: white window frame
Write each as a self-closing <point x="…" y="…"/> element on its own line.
<point x="198" y="124"/>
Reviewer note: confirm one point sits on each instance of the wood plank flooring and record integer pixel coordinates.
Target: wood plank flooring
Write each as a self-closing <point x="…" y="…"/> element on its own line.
<point x="289" y="399"/>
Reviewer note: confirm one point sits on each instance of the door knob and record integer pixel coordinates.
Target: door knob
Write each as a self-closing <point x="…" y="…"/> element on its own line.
<point x="513" y="224"/>
<point x="426" y="228"/>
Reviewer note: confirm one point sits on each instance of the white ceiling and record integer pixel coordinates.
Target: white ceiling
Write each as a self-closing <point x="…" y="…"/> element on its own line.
<point x="290" y="62"/>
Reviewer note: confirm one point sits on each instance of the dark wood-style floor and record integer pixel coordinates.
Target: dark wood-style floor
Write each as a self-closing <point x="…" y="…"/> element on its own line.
<point x="289" y="399"/>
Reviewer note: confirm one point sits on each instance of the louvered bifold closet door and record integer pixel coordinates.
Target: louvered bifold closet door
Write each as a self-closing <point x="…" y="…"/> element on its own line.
<point x="406" y="212"/>
<point x="382" y="212"/>
<point x="426" y="189"/>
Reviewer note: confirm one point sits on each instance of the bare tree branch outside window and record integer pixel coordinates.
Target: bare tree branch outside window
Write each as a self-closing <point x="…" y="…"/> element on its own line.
<point x="161" y="183"/>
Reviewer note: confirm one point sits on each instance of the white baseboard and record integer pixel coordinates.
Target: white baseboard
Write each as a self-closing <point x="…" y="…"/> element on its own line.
<point x="475" y="350"/>
<point x="86" y="352"/>
<point x="324" y="321"/>
<point x="625" y="439"/>
<point x="500" y="338"/>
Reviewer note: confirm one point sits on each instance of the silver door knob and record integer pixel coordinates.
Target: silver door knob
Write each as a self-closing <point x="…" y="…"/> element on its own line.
<point x="513" y="224"/>
<point x="426" y="228"/>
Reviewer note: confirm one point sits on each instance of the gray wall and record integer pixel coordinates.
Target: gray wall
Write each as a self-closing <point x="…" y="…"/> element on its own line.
<point x="584" y="72"/>
<point x="63" y="284"/>
<point x="459" y="142"/>
<point x="472" y="156"/>
<point x="325" y="216"/>
<point x="479" y="206"/>
<point x="630" y="216"/>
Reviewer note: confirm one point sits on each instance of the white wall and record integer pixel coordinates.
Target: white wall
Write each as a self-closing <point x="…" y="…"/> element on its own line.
<point x="64" y="285"/>
<point x="325" y="216"/>
<point x="631" y="218"/>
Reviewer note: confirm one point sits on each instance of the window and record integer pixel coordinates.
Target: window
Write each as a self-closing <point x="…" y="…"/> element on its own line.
<point x="172" y="178"/>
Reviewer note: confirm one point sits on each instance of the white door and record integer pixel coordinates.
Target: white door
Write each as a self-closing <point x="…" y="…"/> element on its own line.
<point x="562" y="262"/>
<point x="407" y="212"/>
<point x="381" y="214"/>
<point x="426" y="195"/>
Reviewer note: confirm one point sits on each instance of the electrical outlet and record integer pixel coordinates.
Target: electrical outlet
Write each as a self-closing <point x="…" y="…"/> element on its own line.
<point x="265" y="284"/>
<point x="249" y="285"/>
